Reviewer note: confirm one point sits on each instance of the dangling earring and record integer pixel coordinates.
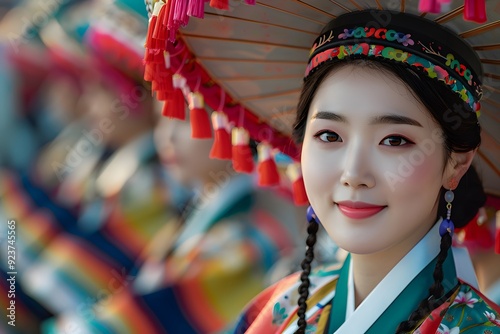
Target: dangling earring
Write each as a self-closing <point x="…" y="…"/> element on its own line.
<point x="447" y="225"/>
<point x="311" y="216"/>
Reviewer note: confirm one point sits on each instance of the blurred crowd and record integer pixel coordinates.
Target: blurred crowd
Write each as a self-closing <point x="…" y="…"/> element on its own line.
<point x="123" y="222"/>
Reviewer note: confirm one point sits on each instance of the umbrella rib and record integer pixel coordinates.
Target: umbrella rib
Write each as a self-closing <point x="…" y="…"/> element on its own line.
<point x="379" y="5"/>
<point x="493" y="76"/>
<point x="266" y="96"/>
<point x="491" y="61"/>
<point x="251" y="60"/>
<point x="314" y="8"/>
<point x="261" y="77"/>
<point x="487" y="47"/>
<point x="480" y="30"/>
<point x="269" y="24"/>
<point x="358" y="6"/>
<point x="340" y="5"/>
<point x="488" y="87"/>
<point x="450" y="15"/>
<point x="488" y="161"/>
<point x="289" y="13"/>
<point x="403" y="4"/>
<point x="243" y="41"/>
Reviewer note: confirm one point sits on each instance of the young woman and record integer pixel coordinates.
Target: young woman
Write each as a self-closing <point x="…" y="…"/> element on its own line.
<point x="388" y="126"/>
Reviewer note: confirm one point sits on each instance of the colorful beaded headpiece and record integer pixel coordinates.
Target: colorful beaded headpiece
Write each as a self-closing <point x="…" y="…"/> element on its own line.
<point x="405" y="38"/>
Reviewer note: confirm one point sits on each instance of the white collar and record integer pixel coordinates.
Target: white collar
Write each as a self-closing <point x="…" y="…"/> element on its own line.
<point x="360" y="319"/>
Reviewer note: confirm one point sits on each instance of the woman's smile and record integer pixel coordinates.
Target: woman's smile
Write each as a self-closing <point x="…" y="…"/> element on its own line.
<point x="359" y="210"/>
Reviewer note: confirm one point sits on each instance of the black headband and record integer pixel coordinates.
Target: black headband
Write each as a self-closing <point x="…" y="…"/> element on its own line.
<point x="404" y="38"/>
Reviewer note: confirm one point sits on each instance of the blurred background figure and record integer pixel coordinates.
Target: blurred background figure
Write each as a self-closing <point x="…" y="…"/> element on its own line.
<point x="205" y="266"/>
<point x="92" y="193"/>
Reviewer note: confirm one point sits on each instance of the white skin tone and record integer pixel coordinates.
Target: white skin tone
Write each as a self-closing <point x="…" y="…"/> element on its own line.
<point x="187" y="159"/>
<point x="348" y="150"/>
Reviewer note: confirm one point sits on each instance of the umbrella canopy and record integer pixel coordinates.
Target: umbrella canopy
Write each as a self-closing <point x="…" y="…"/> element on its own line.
<point x="250" y="61"/>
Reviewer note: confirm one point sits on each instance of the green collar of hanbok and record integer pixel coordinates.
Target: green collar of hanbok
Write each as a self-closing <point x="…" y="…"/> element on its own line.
<point x="398" y="294"/>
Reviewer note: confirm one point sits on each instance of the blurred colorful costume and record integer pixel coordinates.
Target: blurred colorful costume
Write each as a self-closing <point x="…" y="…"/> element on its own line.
<point x="202" y="271"/>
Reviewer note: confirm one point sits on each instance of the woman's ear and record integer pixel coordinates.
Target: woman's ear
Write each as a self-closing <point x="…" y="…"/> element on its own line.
<point x="456" y="167"/>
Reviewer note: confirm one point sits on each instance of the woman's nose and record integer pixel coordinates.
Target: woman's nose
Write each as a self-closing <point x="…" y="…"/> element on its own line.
<point x="358" y="167"/>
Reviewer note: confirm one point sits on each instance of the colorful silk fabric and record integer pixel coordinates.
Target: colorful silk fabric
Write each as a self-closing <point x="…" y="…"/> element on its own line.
<point x="71" y="259"/>
<point x="201" y="273"/>
<point x="465" y="310"/>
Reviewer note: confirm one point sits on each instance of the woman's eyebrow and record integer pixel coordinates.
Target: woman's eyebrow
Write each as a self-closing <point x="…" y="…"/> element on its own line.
<point x="328" y="115"/>
<point x="384" y="119"/>
<point x="395" y="119"/>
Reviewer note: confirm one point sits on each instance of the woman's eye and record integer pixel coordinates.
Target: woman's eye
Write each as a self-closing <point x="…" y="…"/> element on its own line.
<point x="395" y="141"/>
<point x="328" y="137"/>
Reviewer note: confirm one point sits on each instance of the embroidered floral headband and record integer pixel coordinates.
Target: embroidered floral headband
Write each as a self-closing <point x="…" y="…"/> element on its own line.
<point x="405" y="38"/>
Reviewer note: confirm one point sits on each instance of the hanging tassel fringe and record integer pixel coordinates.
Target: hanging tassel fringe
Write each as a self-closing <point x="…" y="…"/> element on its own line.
<point x="267" y="169"/>
<point x="429" y="6"/>
<point x="220" y="4"/>
<point x="221" y="148"/>
<point x="475" y="10"/>
<point x="294" y="173"/>
<point x="173" y="14"/>
<point x="200" y="122"/>
<point x="175" y="107"/>
<point x="196" y="8"/>
<point x="242" y="154"/>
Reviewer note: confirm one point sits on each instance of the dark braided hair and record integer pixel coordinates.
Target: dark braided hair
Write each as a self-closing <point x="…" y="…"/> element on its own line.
<point x="461" y="133"/>
<point x="436" y="291"/>
<point x="469" y="197"/>
<point x="312" y="229"/>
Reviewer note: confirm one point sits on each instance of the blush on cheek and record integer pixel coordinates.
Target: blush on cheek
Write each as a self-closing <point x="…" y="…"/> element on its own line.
<point x="417" y="173"/>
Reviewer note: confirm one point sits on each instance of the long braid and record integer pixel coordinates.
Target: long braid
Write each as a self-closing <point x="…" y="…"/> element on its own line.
<point x="435" y="291"/>
<point x="312" y="229"/>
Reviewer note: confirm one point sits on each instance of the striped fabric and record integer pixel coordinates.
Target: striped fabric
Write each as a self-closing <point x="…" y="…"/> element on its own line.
<point x="203" y="277"/>
<point x="72" y="260"/>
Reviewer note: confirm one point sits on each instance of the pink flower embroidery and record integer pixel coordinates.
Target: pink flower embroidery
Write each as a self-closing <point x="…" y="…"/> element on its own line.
<point x="446" y="330"/>
<point x="492" y="318"/>
<point x="465" y="298"/>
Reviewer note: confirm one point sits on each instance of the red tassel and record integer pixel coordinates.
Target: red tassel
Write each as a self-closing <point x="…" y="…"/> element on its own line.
<point x="475" y="10"/>
<point x="267" y="169"/>
<point x="175" y="105"/>
<point x="148" y="72"/>
<point x="160" y="31"/>
<point x="221" y="148"/>
<point x="149" y="37"/>
<point x="242" y="154"/>
<point x="200" y="122"/>
<point x="497" y="232"/>
<point x="220" y="4"/>
<point x="299" y="190"/>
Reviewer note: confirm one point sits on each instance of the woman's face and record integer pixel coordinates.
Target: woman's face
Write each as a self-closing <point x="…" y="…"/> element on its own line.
<point x="372" y="160"/>
<point x="187" y="159"/>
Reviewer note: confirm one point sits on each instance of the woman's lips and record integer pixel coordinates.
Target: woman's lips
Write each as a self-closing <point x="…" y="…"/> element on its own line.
<point x="359" y="210"/>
